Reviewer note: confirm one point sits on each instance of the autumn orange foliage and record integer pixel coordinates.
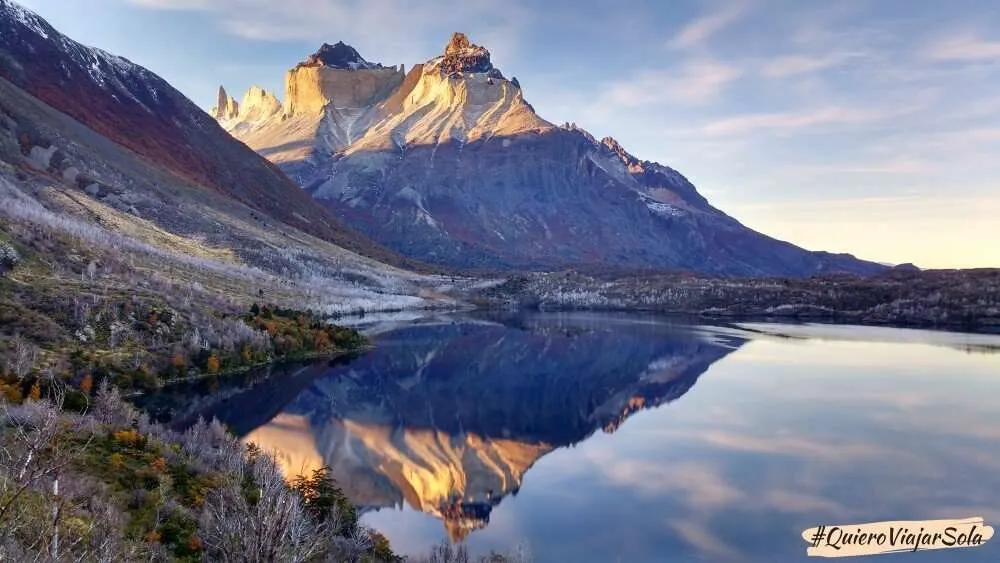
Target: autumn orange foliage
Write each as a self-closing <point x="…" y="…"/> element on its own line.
<point x="128" y="437"/>
<point x="159" y="465"/>
<point x="178" y="361"/>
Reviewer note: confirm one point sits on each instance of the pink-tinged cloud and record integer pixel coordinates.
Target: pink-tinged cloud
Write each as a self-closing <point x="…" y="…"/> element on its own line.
<point x="794" y="120"/>
<point x="173" y="4"/>
<point x="964" y="47"/>
<point x="791" y="65"/>
<point x="696" y="82"/>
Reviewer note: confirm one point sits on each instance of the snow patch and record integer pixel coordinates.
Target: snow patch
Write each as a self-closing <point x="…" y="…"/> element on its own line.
<point x="665" y="209"/>
<point x="26" y="17"/>
<point x="675" y="177"/>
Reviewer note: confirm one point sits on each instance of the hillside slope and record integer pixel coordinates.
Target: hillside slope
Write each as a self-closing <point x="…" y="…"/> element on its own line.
<point x="140" y="111"/>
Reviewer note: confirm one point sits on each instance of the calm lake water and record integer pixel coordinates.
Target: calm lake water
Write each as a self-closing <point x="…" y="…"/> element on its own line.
<point x="606" y="438"/>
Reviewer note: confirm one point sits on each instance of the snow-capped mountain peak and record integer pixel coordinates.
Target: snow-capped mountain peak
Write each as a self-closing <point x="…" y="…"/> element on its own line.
<point x="340" y="56"/>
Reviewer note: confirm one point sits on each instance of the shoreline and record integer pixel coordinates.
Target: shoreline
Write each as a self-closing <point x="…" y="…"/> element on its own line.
<point x="229" y="373"/>
<point x="842" y="319"/>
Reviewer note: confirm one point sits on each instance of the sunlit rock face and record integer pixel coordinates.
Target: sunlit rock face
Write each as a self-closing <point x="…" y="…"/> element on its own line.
<point x="461" y="56"/>
<point x="309" y="89"/>
<point x="226" y="107"/>
<point x="258" y="105"/>
<point x="449" y="419"/>
<point x="330" y="100"/>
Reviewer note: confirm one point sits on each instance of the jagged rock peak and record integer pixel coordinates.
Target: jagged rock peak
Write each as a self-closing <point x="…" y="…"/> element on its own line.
<point x="462" y="55"/>
<point x="619" y="150"/>
<point x="226" y="107"/>
<point x="573" y="127"/>
<point x="340" y="56"/>
<point x="459" y="42"/>
<point x="259" y="104"/>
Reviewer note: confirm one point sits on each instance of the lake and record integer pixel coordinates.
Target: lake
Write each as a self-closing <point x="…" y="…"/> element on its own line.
<point x="587" y="437"/>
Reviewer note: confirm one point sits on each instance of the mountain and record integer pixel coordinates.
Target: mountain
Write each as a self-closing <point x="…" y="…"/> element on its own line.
<point x="450" y="164"/>
<point x="449" y="418"/>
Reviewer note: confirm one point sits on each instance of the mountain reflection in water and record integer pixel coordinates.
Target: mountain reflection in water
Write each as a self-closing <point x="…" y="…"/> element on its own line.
<point x="449" y="417"/>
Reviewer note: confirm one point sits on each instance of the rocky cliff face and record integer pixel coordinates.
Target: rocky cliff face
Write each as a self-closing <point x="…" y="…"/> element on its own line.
<point x="310" y="89"/>
<point x="334" y="77"/>
<point x="330" y="101"/>
<point x="455" y="167"/>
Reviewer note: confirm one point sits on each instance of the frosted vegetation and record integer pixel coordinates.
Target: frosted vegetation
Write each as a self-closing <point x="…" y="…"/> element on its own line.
<point x="108" y="485"/>
<point x="8" y="256"/>
<point x="327" y="286"/>
<point x="967" y="299"/>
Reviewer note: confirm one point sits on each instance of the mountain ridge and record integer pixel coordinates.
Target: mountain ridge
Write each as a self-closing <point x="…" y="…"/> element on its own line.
<point x="454" y="166"/>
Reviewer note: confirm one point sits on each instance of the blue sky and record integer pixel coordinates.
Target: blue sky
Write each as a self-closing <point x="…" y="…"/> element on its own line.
<point x="862" y="126"/>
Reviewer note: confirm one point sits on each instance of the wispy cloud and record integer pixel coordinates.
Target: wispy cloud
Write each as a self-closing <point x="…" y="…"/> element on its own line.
<point x="704" y="540"/>
<point x="894" y="166"/>
<point x="698" y="81"/>
<point x="790" y="65"/>
<point x="795" y="120"/>
<point x="701" y="29"/>
<point x="396" y="28"/>
<point x="963" y="47"/>
<point x="172" y="4"/>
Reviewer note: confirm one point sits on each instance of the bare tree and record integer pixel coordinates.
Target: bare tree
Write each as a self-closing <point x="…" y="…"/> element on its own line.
<point x="24" y="356"/>
<point x="109" y="407"/>
<point x="445" y="552"/>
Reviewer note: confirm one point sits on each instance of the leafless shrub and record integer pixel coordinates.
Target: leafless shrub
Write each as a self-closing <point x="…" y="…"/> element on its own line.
<point x="210" y="446"/>
<point x="110" y="408"/>
<point x="446" y="552"/>
<point x="274" y="527"/>
<point x="352" y="548"/>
